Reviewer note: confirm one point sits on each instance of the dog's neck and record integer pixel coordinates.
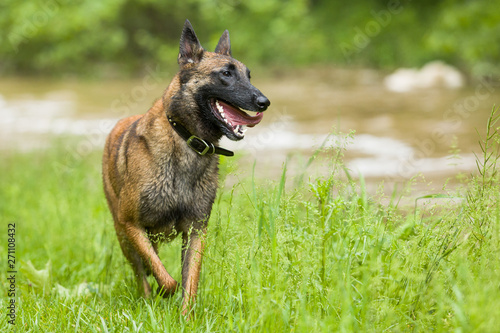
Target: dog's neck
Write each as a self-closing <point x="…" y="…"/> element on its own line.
<point x="200" y="146"/>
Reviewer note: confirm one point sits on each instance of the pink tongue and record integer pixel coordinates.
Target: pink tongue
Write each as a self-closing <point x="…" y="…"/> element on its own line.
<point x="238" y="117"/>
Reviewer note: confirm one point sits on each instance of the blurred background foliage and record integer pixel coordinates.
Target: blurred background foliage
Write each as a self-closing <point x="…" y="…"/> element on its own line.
<point x="122" y="37"/>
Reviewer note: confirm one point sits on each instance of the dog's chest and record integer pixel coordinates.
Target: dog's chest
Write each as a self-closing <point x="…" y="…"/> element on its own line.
<point x="180" y="192"/>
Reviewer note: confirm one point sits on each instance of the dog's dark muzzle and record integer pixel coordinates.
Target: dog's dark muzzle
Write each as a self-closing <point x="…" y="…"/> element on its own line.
<point x="261" y="102"/>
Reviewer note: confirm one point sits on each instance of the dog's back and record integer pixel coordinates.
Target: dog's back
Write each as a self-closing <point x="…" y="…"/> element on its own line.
<point x="112" y="178"/>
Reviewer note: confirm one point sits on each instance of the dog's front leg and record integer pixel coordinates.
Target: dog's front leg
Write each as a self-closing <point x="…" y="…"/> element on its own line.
<point x="192" y="254"/>
<point x="142" y="244"/>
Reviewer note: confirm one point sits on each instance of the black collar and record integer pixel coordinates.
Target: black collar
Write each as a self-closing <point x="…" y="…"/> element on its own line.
<point x="200" y="146"/>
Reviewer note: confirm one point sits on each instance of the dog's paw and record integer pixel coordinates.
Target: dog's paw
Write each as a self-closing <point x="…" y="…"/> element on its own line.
<point x="167" y="290"/>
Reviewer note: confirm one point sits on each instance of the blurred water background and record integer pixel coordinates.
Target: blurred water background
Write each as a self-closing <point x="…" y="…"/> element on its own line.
<point x="414" y="81"/>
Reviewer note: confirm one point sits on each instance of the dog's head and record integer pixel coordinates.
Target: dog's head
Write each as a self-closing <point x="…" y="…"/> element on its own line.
<point x="225" y="99"/>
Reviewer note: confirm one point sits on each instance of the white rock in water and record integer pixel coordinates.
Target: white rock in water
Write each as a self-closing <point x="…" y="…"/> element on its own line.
<point x="402" y="80"/>
<point x="435" y="74"/>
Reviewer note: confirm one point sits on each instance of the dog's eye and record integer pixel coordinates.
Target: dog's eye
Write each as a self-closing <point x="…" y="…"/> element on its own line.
<point x="227" y="73"/>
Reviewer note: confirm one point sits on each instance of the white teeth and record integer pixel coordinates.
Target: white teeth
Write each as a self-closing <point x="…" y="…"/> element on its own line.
<point x="220" y="108"/>
<point x="240" y="129"/>
<point x="221" y="111"/>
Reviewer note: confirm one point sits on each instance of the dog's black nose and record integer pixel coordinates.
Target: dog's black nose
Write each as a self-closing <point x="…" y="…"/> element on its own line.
<point x="262" y="102"/>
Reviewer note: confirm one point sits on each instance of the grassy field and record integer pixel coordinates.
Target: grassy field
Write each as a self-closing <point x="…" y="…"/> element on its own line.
<point x="301" y="254"/>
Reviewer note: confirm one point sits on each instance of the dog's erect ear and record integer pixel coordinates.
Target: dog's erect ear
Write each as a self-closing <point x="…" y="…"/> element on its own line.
<point x="224" y="45"/>
<point x="190" y="50"/>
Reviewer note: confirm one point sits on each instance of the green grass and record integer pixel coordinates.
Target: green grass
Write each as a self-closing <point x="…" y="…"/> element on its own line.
<point x="314" y="255"/>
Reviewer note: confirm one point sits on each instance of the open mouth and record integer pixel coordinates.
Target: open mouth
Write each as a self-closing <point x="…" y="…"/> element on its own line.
<point x="234" y="118"/>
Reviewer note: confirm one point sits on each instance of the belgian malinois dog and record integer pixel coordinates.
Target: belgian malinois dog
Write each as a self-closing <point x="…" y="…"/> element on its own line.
<point x="160" y="169"/>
